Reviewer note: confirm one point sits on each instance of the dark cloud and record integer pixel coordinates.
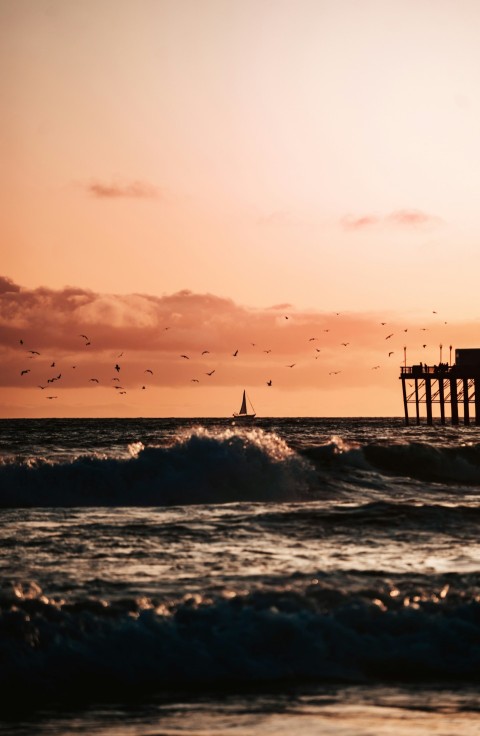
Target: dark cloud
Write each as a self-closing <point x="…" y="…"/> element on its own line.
<point x="7" y="285"/>
<point x="132" y="190"/>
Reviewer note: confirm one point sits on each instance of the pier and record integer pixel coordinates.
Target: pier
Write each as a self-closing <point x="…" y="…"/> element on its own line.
<point x="454" y="388"/>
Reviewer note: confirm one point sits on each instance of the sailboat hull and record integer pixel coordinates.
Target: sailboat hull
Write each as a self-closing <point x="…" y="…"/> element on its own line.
<point x="244" y="417"/>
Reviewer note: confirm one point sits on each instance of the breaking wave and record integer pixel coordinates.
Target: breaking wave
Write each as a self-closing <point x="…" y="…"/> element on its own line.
<point x="200" y="467"/>
<point x="52" y="649"/>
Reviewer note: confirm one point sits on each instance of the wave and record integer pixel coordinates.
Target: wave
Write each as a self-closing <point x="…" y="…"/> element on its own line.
<point x="53" y="650"/>
<point x="201" y="466"/>
<point x="421" y="461"/>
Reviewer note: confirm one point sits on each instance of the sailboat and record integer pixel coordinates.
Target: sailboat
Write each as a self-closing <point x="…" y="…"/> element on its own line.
<point x="243" y="415"/>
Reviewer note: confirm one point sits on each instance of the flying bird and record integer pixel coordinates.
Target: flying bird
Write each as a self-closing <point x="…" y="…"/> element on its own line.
<point x="374" y="368"/>
<point x="269" y="383"/>
<point x="210" y="373"/>
<point x="326" y="330"/>
<point x="424" y="346"/>
<point x="117" y="368"/>
<point x="143" y="388"/>
<point x="21" y="342"/>
<point x="147" y="370"/>
<point x="26" y="371"/>
<point x="383" y="323"/>
<point x="345" y="343"/>
<point x="406" y="330"/>
<point x="53" y="365"/>
<point x="51" y="397"/>
<point x="185" y="356"/>
<point x="42" y="387"/>
<point x="86" y="338"/>
<point x="118" y="388"/>
<point x="334" y="373"/>
<point x="235" y="353"/>
<point x="34" y="352"/>
<point x="319" y="350"/>
<point x="267" y="351"/>
<point x="389" y="336"/>
<point x="390" y="353"/>
<point x="205" y="352"/>
<point x="115" y="379"/>
<point x="95" y="380"/>
<point x="310" y="339"/>
<point x="120" y="354"/>
<point x="290" y="366"/>
<point x="195" y="380"/>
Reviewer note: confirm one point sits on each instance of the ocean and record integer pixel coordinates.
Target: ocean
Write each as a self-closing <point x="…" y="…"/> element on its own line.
<point x="196" y="577"/>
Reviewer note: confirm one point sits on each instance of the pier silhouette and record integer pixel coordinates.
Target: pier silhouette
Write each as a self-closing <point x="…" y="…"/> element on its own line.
<point x="450" y="386"/>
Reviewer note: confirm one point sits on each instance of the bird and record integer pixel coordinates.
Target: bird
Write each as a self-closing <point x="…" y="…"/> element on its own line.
<point x="147" y="370"/>
<point x="424" y="329"/>
<point x="143" y="388"/>
<point x="374" y="368"/>
<point x="205" y="352"/>
<point x="26" y="371"/>
<point x="286" y="317"/>
<point x="267" y="351"/>
<point x="235" y="353"/>
<point x="334" y="373"/>
<point x="319" y="350"/>
<point x="34" y="352"/>
<point x="389" y="336"/>
<point x="195" y="380"/>
<point x="87" y="343"/>
<point x="21" y="342"/>
<point x="115" y="379"/>
<point x="253" y="344"/>
<point x="406" y="330"/>
<point x="185" y="356"/>
<point x="95" y="380"/>
<point x="117" y="368"/>
<point x="345" y="343"/>
<point x="390" y="353"/>
<point x="210" y="373"/>
<point x="434" y="312"/>
<point x="118" y="387"/>
<point x="383" y="323"/>
<point x="326" y="330"/>
<point x="42" y="387"/>
<point x="51" y="397"/>
<point x="269" y="383"/>
<point x="310" y="339"/>
<point x="120" y="354"/>
<point x="424" y="346"/>
<point x="123" y="392"/>
<point x="53" y="365"/>
<point x="290" y="366"/>
<point x="86" y="338"/>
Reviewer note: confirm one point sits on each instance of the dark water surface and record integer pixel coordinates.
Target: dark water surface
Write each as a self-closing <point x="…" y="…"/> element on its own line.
<point x="298" y="575"/>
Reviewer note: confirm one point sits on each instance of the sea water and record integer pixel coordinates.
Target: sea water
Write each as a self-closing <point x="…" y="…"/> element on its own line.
<point x="199" y="577"/>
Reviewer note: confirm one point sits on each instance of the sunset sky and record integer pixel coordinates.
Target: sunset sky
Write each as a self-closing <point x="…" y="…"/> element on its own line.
<point x="238" y="172"/>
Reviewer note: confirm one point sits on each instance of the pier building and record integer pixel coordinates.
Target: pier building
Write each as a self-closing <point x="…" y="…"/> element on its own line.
<point x="454" y="388"/>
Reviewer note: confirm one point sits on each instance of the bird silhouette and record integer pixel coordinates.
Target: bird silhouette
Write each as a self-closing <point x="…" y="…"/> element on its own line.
<point x="345" y="343"/>
<point x="374" y="368"/>
<point x="389" y="336"/>
<point x="185" y="356"/>
<point x="310" y="339"/>
<point x="115" y="379"/>
<point x="22" y="373"/>
<point x="42" y="387"/>
<point x="120" y="354"/>
<point x="117" y="367"/>
<point x="235" y="353"/>
<point x="118" y="388"/>
<point x="406" y="330"/>
<point x="267" y="351"/>
<point x="290" y="366"/>
<point x="21" y="342"/>
<point x="319" y="350"/>
<point x="424" y="346"/>
<point x="53" y="365"/>
<point x="205" y="352"/>
<point x="95" y="380"/>
<point x="390" y="353"/>
<point x="51" y="397"/>
<point x="383" y="323"/>
<point x="86" y="338"/>
<point x="147" y="370"/>
<point x="143" y="388"/>
<point x="269" y="383"/>
<point x="210" y="373"/>
<point x="195" y="380"/>
<point x="326" y="330"/>
<point x="34" y="352"/>
<point x="334" y="373"/>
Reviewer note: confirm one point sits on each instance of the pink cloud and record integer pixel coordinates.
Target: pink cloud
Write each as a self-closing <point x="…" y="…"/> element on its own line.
<point x="132" y="190"/>
<point x="401" y="218"/>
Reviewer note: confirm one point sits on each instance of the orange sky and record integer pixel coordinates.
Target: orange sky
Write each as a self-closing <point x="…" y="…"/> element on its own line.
<point x="319" y="154"/>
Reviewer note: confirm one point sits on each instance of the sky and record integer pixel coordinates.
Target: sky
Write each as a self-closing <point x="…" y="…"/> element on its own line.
<point x="189" y="175"/>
